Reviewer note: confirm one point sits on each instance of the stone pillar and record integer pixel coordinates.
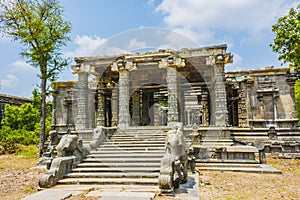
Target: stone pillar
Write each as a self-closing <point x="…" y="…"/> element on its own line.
<point x="291" y="79"/>
<point x="204" y="110"/>
<point x="54" y="100"/>
<point x="157" y="114"/>
<point x="242" y="106"/>
<point x="145" y="108"/>
<point x="136" y="108"/>
<point x="101" y="104"/>
<point x="114" y="107"/>
<point x="82" y="116"/>
<point x="123" y="67"/>
<point x="219" y="115"/>
<point x="171" y="65"/>
<point x="92" y="113"/>
<point x="172" y="95"/>
<point x="124" y="117"/>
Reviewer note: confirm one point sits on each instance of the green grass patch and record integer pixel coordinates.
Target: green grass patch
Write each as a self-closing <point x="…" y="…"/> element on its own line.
<point x="27" y="151"/>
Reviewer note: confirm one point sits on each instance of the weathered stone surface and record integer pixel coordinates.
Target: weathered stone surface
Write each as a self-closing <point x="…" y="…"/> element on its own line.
<point x="174" y="163"/>
<point x="70" y="151"/>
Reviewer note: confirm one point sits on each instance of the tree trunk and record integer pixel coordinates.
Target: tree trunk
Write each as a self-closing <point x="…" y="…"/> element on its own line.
<point x="43" y="116"/>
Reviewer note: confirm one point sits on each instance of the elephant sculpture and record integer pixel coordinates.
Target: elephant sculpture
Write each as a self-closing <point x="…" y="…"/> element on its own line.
<point x="174" y="163"/>
<point x="70" y="151"/>
<point x="70" y="145"/>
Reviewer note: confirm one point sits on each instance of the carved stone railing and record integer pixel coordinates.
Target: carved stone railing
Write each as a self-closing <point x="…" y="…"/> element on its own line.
<point x="59" y="167"/>
<point x="101" y="134"/>
<point x="70" y="152"/>
<point x="173" y="169"/>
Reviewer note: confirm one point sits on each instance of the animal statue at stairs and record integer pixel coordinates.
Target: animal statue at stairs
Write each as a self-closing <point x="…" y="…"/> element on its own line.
<point x="70" y="145"/>
<point x="70" y="152"/>
<point x="173" y="169"/>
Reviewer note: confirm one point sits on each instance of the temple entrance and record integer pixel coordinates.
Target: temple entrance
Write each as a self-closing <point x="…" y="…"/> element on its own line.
<point x="148" y="106"/>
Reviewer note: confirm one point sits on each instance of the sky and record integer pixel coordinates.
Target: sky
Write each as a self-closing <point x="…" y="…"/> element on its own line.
<point x="101" y="27"/>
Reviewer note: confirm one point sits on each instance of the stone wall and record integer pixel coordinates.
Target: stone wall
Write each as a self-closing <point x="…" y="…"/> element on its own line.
<point x="263" y="98"/>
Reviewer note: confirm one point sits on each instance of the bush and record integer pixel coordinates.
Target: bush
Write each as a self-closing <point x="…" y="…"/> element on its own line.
<point x="21" y="125"/>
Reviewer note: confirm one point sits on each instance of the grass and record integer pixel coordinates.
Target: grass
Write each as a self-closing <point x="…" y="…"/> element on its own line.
<point x="27" y="151"/>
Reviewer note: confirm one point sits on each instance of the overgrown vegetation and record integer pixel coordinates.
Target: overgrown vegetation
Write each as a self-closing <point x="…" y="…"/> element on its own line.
<point x="38" y="25"/>
<point x="21" y="125"/>
<point x="297" y="98"/>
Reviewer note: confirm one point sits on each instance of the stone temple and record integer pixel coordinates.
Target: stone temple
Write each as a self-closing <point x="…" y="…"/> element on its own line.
<point x="136" y="99"/>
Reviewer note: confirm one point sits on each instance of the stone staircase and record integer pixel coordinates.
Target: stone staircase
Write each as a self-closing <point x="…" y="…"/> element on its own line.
<point x="127" y="158"/>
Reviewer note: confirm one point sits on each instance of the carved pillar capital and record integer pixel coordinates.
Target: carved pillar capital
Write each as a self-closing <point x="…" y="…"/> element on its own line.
<point x="121" y="64"/>
<point x="176" y="62"/>
<point x="221" y="59"/>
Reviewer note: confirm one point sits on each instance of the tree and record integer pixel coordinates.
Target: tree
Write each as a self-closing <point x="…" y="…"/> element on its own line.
<point x="38" y="25"/>
<point x="287" y="37"/>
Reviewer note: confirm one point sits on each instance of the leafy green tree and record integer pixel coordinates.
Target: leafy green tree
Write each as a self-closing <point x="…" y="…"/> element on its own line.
<point x="38" y="25"/>
<point x="297" y="97"/>
<point x="287" y="37"/>
<point x="24" y="117"/>
<point x="20" y="126"/>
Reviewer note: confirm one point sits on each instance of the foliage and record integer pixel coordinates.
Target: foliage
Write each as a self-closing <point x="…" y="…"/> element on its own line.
<point x="297" y="97"/>
<point x="287" y="39"/>
<point x="41" y="30"/>
<point x="21" y="126"/>
<point x="24" y="117"/>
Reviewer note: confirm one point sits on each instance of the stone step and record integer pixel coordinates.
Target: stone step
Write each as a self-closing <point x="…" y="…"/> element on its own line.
<point x="130" y="145"/>
<point x="99" y="151"/>
<point x="122" y="160"/>
<point x="115" y="169"/>
<point x="133" y="142"/>
<point x="119" y="164"/>
<point x="118" y="148"/>
<point x="115" y="181"/>
<point x="138" y="137"/>
<point x="259" y="169"/>
<point x="127" y="154"/>
<point x="240" y="161"/>
<point x="215" y="144"/>
<point x="112" y="175"/>
<point x="234" y="165"/>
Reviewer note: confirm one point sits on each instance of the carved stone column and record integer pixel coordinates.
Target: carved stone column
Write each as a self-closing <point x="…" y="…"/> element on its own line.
<point x="172" y="95"/>
<point x="114" y="107"/>
<point x="204" y="110"/>
<point x="136" y="108"/>
<point x="219" y="115"/>
<point x="124" y="117"/>
<point x="101" y="104"/>
<point x="123" y="67"/>
<point x="171" y="64"/>
<point x="145" y="108"/>
<point x="82" y="116"/>
<point x="242" y="105"/>
<point x="54" y="109"/>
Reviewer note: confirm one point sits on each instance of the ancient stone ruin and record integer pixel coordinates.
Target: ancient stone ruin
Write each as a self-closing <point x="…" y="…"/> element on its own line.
<point x="149" y="118"/>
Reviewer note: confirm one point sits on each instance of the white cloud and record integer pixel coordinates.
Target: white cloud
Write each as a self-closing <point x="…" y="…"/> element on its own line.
<point x="135" y="44"/>
<point x="10" y="81"/>
<point x="207" y="20"/>
<point x="21" y="67"/>
<point x="86" y="45"/>
<point x="94" y="46"/>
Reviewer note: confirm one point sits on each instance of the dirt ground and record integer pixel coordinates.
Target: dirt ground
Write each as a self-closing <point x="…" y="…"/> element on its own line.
<point x="246" y="186"/>
<point x="18" y="179"/>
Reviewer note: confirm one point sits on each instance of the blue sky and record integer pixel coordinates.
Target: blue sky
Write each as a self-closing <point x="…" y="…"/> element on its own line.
<point x="117" y="26"/>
